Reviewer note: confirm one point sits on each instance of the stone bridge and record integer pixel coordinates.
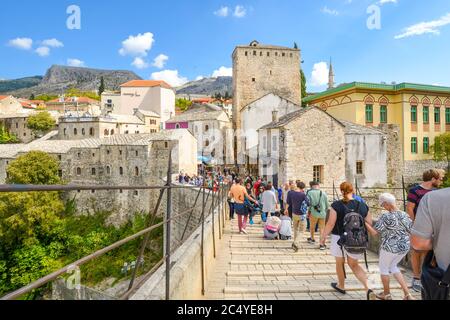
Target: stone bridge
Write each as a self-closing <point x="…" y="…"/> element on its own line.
<point x="247" y="267"/>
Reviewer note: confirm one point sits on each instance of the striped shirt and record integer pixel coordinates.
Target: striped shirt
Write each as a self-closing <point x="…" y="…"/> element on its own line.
<point x="416" y="194"/>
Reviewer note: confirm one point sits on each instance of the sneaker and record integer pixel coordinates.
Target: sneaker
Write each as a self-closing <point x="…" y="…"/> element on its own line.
<point x="244" y="231"/>
<point x="294" y="246"/>
<point x="371" y="295"/>
<point x="322" y="247"/>
<point x="311" y="241"/>
<point x="416" y="285"/>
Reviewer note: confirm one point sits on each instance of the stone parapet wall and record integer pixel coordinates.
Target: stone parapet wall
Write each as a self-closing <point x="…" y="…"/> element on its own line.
<point x="414" y="169"/>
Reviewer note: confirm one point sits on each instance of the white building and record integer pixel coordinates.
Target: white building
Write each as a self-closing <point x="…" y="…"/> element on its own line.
<point x="254" y="116"/>
<point x="147" y="95"/>
<point x="110" y="101"/>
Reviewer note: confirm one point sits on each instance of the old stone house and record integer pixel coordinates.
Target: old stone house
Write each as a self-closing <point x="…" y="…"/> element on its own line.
<point x="119" y="160"/>
<point x="311" y="145"/>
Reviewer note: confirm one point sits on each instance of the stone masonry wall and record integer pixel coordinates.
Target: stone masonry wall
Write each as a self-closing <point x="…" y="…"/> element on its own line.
<point x="394" y="154"/>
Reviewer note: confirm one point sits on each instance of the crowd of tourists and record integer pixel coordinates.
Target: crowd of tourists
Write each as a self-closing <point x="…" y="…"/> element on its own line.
<point x="423" y="230"/>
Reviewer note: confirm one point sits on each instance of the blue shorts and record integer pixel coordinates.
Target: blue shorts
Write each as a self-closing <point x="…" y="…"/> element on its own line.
<point x="240" y="209"/>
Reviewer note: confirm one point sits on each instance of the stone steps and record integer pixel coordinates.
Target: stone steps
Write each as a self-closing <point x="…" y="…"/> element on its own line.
<point x="291" y="262"/>
<point x="280" y="273"/>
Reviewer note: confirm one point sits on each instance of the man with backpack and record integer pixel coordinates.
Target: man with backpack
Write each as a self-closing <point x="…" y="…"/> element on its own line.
<point x="294" y="201"/>
<point x="349" y="238"/>
<point x="431" y="231"/>
<point x="318" y="207"/>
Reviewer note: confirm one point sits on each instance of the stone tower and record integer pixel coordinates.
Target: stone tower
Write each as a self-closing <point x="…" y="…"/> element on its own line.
<point x="331" y="76"/>
<point x="262" y="69"/>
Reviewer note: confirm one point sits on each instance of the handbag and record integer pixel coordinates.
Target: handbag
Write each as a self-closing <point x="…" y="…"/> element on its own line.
<point x="435" y="281"/>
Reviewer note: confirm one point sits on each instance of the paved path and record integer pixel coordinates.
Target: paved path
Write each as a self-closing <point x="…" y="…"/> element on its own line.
<point x="251" y="268"/>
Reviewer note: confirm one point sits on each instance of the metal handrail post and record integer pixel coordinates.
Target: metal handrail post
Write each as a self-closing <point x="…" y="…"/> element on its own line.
<point x="202" y="242"/>
<point x="169" y="212"/>
<point x="213" y="224"/>
<point x="219" y="210"/>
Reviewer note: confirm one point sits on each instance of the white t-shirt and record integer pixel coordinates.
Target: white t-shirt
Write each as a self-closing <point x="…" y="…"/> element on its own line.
<point x="286" y="228"/>
<point x="269" y="201"/>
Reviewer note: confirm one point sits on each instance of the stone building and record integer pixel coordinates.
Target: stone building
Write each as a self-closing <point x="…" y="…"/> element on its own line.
<point x="259" y="70"/>
<point x="120" y="160"/>
<point x="16" y="123"/>
<point x="421" y="112"/>
<point x="74" y="104"/>
<point x="78" y="126"/>
<point x="212" y="128"/>
<point x="257" y="114"/>
<point x="311" y="145"/>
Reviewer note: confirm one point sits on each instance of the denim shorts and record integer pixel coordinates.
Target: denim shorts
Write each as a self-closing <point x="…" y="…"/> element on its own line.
<point x="240" y="209"/>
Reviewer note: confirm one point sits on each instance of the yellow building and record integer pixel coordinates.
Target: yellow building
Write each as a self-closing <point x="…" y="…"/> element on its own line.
<point x="421" y="111"/>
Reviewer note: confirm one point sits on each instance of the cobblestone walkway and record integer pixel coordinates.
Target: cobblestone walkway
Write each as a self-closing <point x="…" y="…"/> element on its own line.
<point x="250" y="268"/>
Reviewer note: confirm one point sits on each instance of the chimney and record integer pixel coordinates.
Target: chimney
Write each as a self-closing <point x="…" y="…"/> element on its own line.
<point x="275" y="115"/>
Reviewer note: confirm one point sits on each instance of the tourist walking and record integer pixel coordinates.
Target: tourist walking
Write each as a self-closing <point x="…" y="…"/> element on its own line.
<point x="239" y="193"/>
<point x="294" y="202"/>
<point x="432" y="179"/>
<point x="394" y="227"/>
<point x="318" y="201"/>
<point x="343" y="214"/>
<point x="431" y="231"/>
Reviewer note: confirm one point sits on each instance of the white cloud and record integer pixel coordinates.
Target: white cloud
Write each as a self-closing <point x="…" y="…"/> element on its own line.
<point x="170" y="76"/>
<point x="319" y="75"/>
<point x="387" y="1"/>
<point x="21" y="43"/>
<point x="240" y="12"/>
<point x="75" y="63"/>
<point x="54" y="43"/>
<point x="223" y="72"/>
<point x="199" y="78"/>
<point x="137" y="45"/>
<point x="329" y="11"/>
<point x="425" y="27"/>
<point x="139" y="63"/>
<point x="160" y="61"/>
<point x="43" y="51"/>
<point x="222" y="12"/>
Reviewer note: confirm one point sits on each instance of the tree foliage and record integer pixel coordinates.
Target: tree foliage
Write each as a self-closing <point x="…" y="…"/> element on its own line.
<point x="303" y="88"/>
<point x="441" y="148"/>
<point x="101" y="88"/>
<point x="183" y="104"/>
<point x="41" y="122"/>
<point x="46" y="97"/>
<point x="6" y="137"/>
<point x="74" y="92"/>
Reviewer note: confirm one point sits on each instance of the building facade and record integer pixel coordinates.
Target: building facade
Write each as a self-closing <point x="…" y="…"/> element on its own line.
<point x="259" y="70"/>
<point x="121" y="160"/>
<point x="147" y="95"/>
<point x="310" y="145"/>
<point x="421" y="112"/>
<point x="212" y="128"/>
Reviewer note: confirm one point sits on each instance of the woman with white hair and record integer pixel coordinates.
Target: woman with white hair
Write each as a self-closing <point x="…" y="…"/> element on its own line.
<point x="394" y="227"/>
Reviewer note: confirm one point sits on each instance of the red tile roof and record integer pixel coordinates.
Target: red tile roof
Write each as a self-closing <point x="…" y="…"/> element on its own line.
<point x="147" y="83"/>
<point x="3" y="97"/>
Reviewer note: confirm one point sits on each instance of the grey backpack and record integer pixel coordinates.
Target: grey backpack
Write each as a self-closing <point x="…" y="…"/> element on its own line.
<point x="354" y="238"/>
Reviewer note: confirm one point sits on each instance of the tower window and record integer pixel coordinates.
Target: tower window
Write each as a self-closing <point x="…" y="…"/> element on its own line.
<point x="253" y="79"/>
<point x="121" y="171"/>
<point x="93" y="171"/>
<point x="260" y="54"/>
<point x="254" y="52"/>
<point x="283" y="54"/>
<point x="246" y="53"/>
<point x="359" y="167"/>
<point x="268" y="54"/>
<point x="78" y="171"/>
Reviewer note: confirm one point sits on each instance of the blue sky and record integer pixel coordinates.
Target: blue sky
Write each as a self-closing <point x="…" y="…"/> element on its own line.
<point x="196" y="38"/>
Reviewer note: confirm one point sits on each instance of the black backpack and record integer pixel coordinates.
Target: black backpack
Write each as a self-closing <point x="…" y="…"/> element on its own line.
<point x="354" y="238"/>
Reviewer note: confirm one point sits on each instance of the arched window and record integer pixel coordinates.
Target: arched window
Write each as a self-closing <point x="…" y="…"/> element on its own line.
<point x="206" y="143"/>
<point x="83" y="132"/>
<point x="108" y="170"/>
<point x="137" y="153"/>
<point x="65" y="131"/>
<point x="91" y="131"/>
<point x="177" y="126"/>
<point x="121" y="171"/>
<point x="75" y="131"/>
<point x="112" y="132"/>
<point x="78" y="171"/>
<point x="106" y="132"/>
<point x="136" y="171"/>
<point x="206" y="128"/>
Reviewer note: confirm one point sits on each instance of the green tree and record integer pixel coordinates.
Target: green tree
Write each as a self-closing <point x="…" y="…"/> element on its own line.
<point x="441" y="149"/>
<point x="32" y="97"/>
<point x="183" y="104"/>
<point x="41" y="122"/>
<point x="101" y="89"/>
<point x="303" y="88"/>
<point x="46" y="97"/>
<point x="6" y="137"/>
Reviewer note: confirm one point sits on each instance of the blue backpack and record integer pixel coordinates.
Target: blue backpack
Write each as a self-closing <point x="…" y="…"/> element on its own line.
<point x="304" y="208"/>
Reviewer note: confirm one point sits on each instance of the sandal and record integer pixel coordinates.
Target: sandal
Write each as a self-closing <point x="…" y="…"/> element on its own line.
<point x="382" y="296"/>
<point x="335" y="287"/>
<point x="409" y="297"/>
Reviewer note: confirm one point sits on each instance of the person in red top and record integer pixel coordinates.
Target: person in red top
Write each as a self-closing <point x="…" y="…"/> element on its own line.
<point x="432" y="179"/>
<point x="256" y="187"/>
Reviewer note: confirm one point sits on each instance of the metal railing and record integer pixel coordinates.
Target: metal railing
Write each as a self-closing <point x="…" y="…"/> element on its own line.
<point x="217" y="207"/>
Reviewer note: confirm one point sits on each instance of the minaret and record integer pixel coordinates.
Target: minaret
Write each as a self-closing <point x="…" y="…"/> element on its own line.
<point x="331" y="76"/>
